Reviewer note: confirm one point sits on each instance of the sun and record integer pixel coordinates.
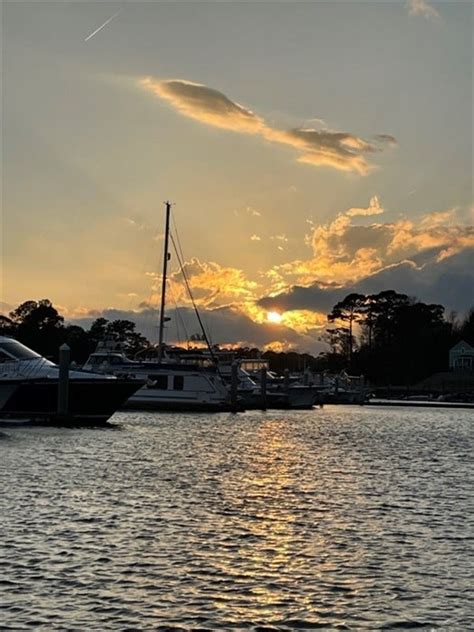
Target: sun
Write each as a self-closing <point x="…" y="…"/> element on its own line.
<point x="274" y="317"/>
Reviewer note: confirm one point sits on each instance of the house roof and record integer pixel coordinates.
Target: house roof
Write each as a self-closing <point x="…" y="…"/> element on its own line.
<point x="462" y="345"/>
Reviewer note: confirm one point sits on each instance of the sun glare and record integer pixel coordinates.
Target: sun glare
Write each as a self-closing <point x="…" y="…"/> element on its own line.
<point x="274" y="317"/>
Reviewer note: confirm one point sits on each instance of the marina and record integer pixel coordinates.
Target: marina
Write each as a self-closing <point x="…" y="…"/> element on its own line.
<point x="236" y="316"/>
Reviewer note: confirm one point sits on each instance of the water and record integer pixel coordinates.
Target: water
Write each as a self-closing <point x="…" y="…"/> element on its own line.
<point x="345" y="517"/>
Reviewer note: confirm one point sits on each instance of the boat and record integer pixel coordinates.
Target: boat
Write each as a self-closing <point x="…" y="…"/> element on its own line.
<point x="280" y="393"/>
<point x="29" y="386"/>
<point x="170" y="385"/>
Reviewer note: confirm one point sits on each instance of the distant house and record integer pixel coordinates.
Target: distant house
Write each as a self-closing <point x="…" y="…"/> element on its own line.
<point x="461" y="357"/>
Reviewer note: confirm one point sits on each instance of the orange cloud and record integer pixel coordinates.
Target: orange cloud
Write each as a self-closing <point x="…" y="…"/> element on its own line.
<point x="345" y="251"/>
<point x="421" y="7"/>
<point x="339" y="150"/>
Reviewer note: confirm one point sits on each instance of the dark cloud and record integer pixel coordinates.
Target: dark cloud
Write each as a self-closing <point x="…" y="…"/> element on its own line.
<point x="225" y="325"/>
<point x="449" y="282"/>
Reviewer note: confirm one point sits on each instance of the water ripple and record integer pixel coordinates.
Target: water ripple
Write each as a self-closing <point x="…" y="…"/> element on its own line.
<point x="342" y="518"/>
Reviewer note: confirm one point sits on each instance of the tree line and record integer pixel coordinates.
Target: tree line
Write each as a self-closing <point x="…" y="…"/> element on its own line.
<point x="392" y="338"/>
<point x="39" y="325"/>
<point x="388" y="337"/>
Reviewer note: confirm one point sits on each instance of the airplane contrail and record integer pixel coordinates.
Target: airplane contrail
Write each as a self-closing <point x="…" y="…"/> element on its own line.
<point x="102" y="25"/>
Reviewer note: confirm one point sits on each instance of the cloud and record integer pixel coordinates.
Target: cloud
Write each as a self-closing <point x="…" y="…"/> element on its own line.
<point x="205" y="105"/>
<point x="345" y="250"/>
<point x="211" y="284"/>
<point x="340" y="150"/>
<point x="255" y="238"/>
<point x="374" y="208"/>
<point x="281" y="237"/>
<point x="432" y="258"/>
<point x="449" y="282"/>
<point x="421" y="7"/>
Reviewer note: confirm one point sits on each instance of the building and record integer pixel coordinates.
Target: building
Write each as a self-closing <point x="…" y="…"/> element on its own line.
<point x="461" y="357"/>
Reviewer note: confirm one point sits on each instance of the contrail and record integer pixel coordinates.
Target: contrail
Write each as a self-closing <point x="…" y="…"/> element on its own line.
<point x="102" y="26"/>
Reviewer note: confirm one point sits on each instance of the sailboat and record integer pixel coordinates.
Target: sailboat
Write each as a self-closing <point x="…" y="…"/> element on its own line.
<point x="170" y="384"/>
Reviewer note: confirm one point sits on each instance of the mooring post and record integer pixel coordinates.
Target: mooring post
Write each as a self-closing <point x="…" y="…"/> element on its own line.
<point x="63" y="383"/>
<point x="263" y="387"/>
<point x="286" y="380"/>
<point x="234" y="384"/>
<point x="362" y="389"/>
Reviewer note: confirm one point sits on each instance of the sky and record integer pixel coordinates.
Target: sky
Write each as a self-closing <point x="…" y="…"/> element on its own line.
<point x="309" y="149"/>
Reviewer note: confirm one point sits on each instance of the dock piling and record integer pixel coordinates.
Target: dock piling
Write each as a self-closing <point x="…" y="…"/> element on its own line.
<point x="234" y="384"/>
<point x="63" y="382"/>
<point x="263" y="387"/>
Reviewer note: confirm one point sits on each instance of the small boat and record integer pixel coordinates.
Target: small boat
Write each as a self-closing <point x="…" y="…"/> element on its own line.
<point x="29" y="387"/>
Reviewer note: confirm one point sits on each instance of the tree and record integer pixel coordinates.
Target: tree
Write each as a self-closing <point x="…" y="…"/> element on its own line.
<point x="349" y="310"/>
<point x="39" y="325"/>
<point x="466" y="330"/>
<point x="120" y="330"/>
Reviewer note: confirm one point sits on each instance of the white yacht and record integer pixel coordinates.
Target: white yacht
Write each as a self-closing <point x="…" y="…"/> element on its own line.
<point x="169" y="385"/>
<point x="280" y="394"/>
<point x="29" y="389"/>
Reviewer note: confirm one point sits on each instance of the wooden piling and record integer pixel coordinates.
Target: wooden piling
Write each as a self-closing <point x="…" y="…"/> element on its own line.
<point x="234" y="384"/>
<point x="63" y="381"/>
<point x="263" y="387"/>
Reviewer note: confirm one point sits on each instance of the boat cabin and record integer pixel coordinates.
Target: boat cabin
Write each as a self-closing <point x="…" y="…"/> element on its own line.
<point x="13" y="351"/>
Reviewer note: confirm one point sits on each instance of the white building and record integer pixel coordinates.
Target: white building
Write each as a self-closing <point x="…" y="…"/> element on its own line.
<point x="461" y="357"/>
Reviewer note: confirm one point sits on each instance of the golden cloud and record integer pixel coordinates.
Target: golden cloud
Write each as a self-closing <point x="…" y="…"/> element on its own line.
<point x="339" y="150"/>
<point x="421" y="7"/>
<point x="345" y="252"/>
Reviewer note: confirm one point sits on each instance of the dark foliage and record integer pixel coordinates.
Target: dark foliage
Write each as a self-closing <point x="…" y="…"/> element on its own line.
<point x="38" y="325"/>
<point x="401" y="340"/>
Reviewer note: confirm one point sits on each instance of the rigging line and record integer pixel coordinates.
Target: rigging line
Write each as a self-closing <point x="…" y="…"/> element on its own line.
<point x="177" y="237"/>
<point x="208" y="338"/>
<point x="183" y="272"/>
<point x="179" y="317"/>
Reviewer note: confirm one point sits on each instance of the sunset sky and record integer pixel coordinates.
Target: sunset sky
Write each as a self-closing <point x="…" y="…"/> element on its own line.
<point x="310" y="149"/>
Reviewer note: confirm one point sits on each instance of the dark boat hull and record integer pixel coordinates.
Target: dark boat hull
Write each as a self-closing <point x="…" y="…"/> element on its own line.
<point x="90" y="400"/>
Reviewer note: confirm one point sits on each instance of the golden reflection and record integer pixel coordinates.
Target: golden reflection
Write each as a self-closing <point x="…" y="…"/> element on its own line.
<point x="286" y="526"/>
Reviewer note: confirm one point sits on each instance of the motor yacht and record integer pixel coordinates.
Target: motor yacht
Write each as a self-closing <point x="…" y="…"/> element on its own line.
<point x="29" y="389"/>
<point x="169" y="384"/>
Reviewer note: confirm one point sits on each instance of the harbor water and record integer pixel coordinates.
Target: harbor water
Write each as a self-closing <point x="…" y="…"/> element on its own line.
<point x="338" y="518"/>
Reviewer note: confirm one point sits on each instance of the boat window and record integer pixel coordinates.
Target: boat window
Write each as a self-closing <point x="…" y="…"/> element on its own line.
<point x="4" y="357"/>
<point x="158" y="381"/>
<point x="17" y="351"/>
<point x="178" y="382"/>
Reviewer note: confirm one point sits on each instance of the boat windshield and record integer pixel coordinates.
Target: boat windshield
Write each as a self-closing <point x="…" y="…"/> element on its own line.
<point x="14" y="350"/>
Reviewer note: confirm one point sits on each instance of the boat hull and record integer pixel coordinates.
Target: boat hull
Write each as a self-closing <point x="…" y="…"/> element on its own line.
<point x="90" y="400"/>
<point x="145" y="399"/>
<point x="299" y="398"/>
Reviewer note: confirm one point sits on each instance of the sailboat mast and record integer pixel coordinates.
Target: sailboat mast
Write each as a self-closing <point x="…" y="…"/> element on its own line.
<point x="166" y="257"/>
